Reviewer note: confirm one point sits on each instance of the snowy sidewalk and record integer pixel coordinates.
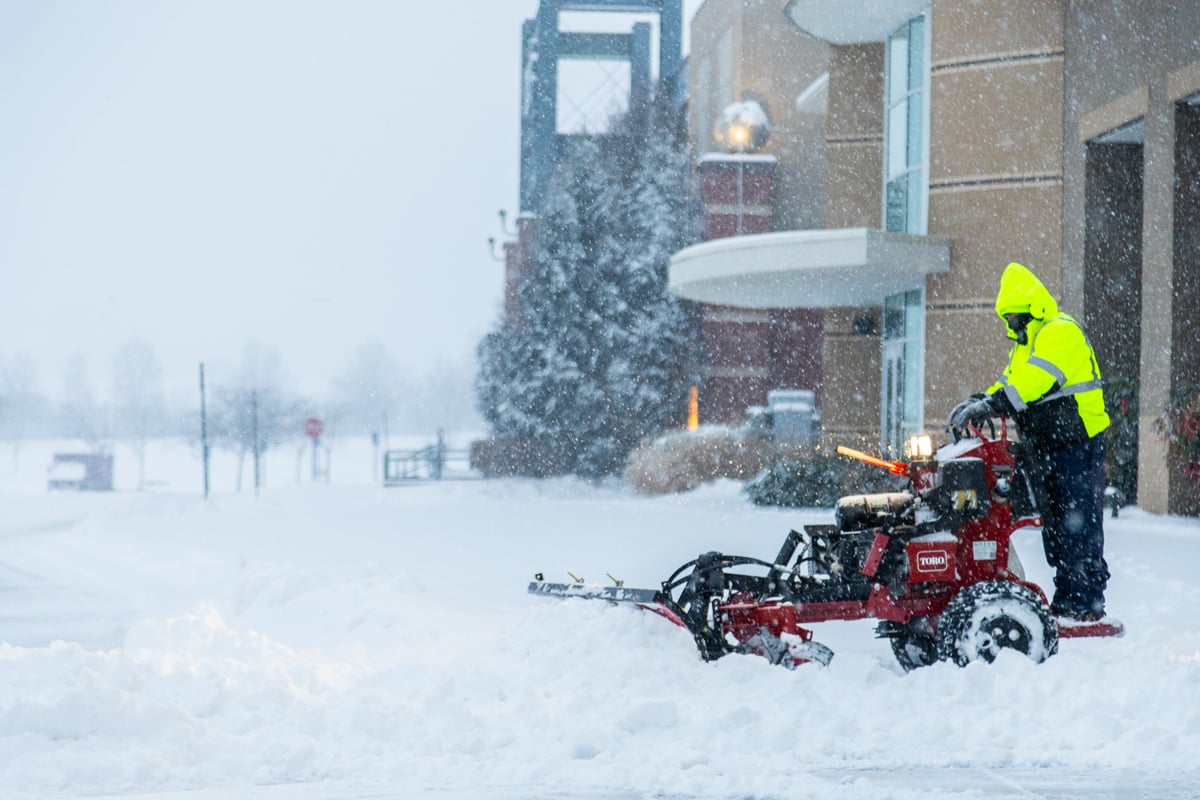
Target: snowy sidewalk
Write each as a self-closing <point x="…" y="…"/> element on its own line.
<point x="349" y="642"/>
<point x="897" y="784"/>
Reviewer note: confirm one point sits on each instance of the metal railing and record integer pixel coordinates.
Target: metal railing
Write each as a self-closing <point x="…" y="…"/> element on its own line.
<point x="433" y="463"/>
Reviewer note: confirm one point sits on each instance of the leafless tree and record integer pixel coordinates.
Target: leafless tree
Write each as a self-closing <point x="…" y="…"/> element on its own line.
<point x="138" y="399"/>
<point x="20" y="403"/>
<point x="442" y="397"/>
<point x="368" y="391"/>
<point x="256" y="400"/>
<point x="80" y="415"/>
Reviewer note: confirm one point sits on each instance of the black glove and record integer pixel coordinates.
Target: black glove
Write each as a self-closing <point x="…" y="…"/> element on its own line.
<point x="958" y="408"/>
<point x="974" y="409"/>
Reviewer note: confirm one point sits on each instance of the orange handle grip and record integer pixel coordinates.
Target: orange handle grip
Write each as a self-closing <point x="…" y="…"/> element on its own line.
<point x="894" y="467"/>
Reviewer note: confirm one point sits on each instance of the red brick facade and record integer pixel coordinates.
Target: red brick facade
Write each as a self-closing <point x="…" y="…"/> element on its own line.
<point x="748" y="352"/>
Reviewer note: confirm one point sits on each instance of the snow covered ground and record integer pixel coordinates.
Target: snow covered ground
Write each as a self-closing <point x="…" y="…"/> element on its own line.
<point x="346" y="641"/>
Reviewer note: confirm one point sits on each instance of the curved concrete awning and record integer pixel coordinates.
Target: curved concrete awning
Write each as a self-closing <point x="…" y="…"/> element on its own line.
<point x="852" y="21"/>
<point x="807" y="269"/>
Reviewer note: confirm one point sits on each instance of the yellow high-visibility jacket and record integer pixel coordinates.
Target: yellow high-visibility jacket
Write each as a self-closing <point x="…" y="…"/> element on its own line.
<point x="1052" y="382"/>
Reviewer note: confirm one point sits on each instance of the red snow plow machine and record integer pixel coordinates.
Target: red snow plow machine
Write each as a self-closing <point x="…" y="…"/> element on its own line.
<point x="933" y="564"/>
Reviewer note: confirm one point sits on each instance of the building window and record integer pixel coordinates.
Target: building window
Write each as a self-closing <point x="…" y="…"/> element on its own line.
<point x="905" y="210"/>
<point x="905" y="129"/>
<point x="903" y="366"/>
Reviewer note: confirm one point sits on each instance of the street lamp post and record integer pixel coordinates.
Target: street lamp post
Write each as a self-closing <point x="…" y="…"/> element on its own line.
<point x="743" y="128"/>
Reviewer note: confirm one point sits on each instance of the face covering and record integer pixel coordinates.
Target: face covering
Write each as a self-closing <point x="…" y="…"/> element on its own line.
<point x="1018" y="323"/>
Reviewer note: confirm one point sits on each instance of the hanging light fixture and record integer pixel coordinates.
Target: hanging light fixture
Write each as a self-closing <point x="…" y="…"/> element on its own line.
<point x="743" y="127"/>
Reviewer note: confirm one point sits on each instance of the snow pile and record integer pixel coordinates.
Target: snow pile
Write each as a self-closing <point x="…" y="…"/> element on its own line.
<point x="366" y="639"/>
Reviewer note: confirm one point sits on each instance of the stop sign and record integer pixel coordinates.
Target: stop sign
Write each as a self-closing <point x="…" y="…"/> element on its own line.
<point x="313" y="427"/>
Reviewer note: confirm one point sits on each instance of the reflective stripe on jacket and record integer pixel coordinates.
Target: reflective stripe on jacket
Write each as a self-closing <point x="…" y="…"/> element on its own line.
<point x="1052" y="382"/>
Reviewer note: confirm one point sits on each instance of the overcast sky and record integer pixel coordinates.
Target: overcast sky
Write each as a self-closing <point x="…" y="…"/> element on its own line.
<point x="206" y="173"/>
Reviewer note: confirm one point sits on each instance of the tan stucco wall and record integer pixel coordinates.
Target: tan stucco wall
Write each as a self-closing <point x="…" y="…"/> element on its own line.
<point x="854" y="138"/>
<point x="996" y="120"/>
<point x="995" y="173"/>
<point x="850" y="412"/>
<point x="969" y="31"/>
<point x="853" y="199"/>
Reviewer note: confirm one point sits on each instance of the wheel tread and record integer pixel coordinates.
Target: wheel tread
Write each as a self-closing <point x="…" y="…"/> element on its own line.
<point x="968" y="605"/>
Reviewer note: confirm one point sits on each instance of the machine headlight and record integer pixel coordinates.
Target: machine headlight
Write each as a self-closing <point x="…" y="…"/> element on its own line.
<point x="919" y="447"/>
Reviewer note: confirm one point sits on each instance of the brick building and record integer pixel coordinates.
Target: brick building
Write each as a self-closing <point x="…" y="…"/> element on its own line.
<point x="918" y="147"/>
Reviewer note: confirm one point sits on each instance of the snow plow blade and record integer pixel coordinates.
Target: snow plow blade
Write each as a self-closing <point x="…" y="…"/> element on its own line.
<point x="1101" y="628"/>
<point x="613" y="594"/>
<point x="649" y="599"/>
<point x="768" y="629"/>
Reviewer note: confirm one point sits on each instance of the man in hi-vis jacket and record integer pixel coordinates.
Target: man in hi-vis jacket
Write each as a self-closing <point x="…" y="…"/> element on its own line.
<point x="1051" y="387"/>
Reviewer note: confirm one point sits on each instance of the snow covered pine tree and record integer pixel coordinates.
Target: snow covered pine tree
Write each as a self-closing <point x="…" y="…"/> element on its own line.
<point x="599" y="358"/>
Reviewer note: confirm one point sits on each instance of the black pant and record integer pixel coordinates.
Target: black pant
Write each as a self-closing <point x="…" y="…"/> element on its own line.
<point x="1071" y="501"/>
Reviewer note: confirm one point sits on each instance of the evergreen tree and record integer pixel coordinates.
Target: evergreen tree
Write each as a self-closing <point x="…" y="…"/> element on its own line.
<point x="599" y="357"/>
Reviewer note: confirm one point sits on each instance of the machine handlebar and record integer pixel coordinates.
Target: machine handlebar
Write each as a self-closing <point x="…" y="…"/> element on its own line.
<point x="894" y="467"/>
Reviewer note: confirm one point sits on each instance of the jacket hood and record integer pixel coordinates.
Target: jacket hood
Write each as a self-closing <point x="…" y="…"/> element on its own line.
<point x="1021" y="291"/>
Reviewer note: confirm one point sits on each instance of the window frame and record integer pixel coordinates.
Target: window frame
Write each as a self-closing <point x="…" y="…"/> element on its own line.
<point x="894" y="429"/>
<point x="921" y="169"/>
<point x="894" y="435"/>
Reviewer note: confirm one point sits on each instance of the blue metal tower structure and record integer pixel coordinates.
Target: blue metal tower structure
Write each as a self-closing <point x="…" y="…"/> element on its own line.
<point x="544" y="45"/>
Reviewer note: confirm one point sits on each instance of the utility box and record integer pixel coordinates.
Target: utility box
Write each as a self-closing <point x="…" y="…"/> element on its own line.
<point x="758" y="418"/>
<point x="92" y="472"/>
<point x="793" y="415"/>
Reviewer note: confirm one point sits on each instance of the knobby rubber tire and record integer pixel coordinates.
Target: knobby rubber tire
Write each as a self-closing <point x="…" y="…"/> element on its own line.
<point x="991" y="616"/>
<point x="916" y="646"/>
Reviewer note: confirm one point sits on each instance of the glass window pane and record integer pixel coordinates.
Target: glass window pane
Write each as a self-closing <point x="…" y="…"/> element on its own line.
<point x="893" y="317"/>
<point x="889" y="396"/>
<point x="912" y="315"/>
<point x="910" y="393"/>
<point x="916" y="53"/>
<point x="897" y="66"/>
<point x="915" y="145"/>
<point x="913" y="211"/>
<point x="897" y="145"/>
<point x="893" y="389"/>
<point x="902" y="364"/>
<point x="897" y="204"/>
